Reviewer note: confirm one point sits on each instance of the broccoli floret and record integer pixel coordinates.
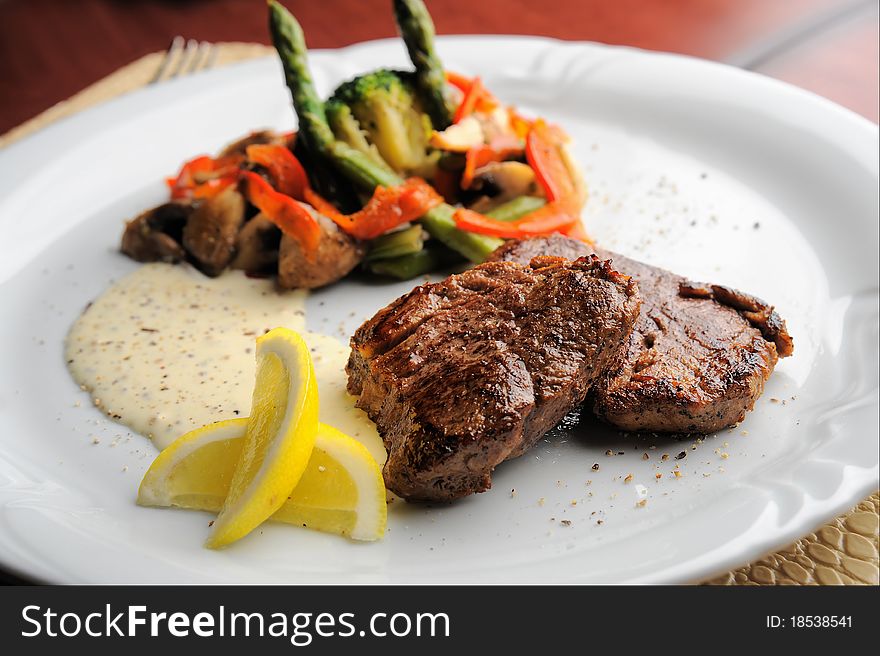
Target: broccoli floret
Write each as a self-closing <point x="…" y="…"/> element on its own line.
<point x="378" y="114"/>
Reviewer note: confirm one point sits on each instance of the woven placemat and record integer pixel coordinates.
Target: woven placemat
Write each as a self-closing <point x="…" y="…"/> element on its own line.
<point x="842" y="551"/>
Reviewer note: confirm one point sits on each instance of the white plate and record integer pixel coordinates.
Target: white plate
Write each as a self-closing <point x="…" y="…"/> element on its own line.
<point x="715" y="173"/>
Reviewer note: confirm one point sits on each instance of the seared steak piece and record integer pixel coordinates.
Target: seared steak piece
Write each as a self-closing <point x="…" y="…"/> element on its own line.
<point x="463" y="374"/>
<point x="555" y="245"/>
<point x="697" y="358"/>
<point x="757" y="312"/>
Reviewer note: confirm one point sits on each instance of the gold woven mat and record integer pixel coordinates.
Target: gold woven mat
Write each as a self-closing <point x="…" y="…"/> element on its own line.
<point x="843" y="551"/>
<point x="128" y="78"/>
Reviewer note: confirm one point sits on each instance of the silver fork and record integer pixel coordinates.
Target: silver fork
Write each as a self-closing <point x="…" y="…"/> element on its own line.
<point x="185" y="57"/>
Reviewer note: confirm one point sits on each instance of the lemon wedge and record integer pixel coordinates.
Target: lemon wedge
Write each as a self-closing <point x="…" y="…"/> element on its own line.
<point x="195" y="470"/>
<point x="278" y="440"/>
<point x="341" y="490"/>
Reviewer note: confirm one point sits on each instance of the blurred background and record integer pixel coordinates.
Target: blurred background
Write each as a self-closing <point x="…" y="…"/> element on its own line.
<point x="50" y="49"/>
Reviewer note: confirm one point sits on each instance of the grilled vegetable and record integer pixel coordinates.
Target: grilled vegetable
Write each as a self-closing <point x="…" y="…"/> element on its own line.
<point x="558" y="216"/>
<point x="378" y="114"/>
<point x="358" y="166"/>
<point x="411" y="265"/>
<point x="395" y="244"/>
<point x="475" y="97"/>
<point x="288" y="174"/>
<point x="516" y="208"/>
<point x="288" y="214"/>
<point x="562" y="185"/>
<point x="417" y="30"/>
<point x="388" y="208"/>
<point x="544" y="152"/>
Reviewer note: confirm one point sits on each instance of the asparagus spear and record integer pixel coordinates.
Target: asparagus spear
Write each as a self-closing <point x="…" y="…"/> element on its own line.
<point x="406" y="267"/>
<point x="287" y="35"/>
<point x="516" y="208"/>
<point x="417" y="30"/>
<point x="395" y="244"/>
<point x="357" y="166"/>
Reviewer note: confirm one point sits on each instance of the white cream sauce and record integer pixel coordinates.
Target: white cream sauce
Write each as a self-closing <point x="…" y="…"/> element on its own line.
<point x="166" y="350"/>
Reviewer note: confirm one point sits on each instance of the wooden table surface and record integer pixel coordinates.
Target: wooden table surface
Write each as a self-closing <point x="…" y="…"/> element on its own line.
<point x="50" y="49"/>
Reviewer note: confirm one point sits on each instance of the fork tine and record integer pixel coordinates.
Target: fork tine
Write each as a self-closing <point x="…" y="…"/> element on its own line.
<point x="185" y="57"/>
<point x="185" y="60"/>
<point x="211" y="57"/>
<point x="202" y="58"/>
<point x="170" y="54"/>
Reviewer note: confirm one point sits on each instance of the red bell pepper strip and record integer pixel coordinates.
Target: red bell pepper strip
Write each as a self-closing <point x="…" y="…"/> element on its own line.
<point x="184" y="181"/>
<point x="322" y="205"/>
<point x="500" y="149"/>
<point x="228" y="165"/>
<point x="459" y="81"/>
<point x="200" y="164"/>
<point x="282" y="210"/>
<point x="565" y="195"/>
<point x="520" y="125"/>
<point x="543" y="155"/>
<point x="214" y="186"/>
<point x="199" y="170"/>
<point x="476" y="96"/>
<point x="469" y="102"/>
<point x="553" y="217"/>
<point x="447" y="184"/>
<point x="388" y="208"/>
<point x="285" y="169"/>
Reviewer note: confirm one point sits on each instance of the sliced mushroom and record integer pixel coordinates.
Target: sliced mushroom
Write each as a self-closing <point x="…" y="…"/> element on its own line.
<point x="495" y="124"/>
<point x="256" y="247"/>
<point x="155" y="235"/>
<point x="499" y="182"/>
<point x="239" y="147"/>
<point x="337" y="254"/>
<point x="210" y="233"/>
<point x="459" y="137"/>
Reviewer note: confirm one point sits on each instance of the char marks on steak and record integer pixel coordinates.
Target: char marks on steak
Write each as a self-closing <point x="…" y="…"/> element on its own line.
<point x="698" y="357"/>
<point x="463" y="374"/>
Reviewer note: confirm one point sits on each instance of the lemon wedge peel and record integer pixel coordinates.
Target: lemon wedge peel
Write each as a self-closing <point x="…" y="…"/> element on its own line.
<point x="277" y="445"/>
<point x="341" y="490"/>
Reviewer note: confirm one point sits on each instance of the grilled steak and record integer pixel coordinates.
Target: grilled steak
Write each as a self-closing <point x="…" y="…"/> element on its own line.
<point x="697" y="358"/>
<point x="466" y="373"/>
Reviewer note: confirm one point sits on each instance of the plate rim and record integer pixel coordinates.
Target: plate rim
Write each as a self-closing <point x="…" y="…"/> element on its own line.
<point x="128" y="97"/>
